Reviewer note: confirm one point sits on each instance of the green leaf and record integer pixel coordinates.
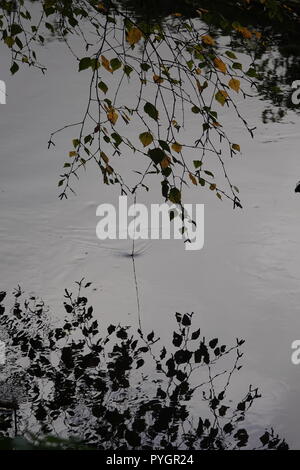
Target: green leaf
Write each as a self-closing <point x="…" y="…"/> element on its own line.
<point x="251" y="73"/>
<point x="127" y="69"/>
<point x="197" y="163"/>
<point x="220" y="97"/>
<point x="145" y="67"/>
<point x="156" y="155"/>
<point x="164" y="145"/>
<point x="146" y="138"/>
<point x="15" y="29"/>
<point x="115" y="64"/>
<point x="9" y="41"/>
<point x="237" y="65"/>
<point x="84" y="63"/>
<point x="175" y="196"/>
<point x="195" y="109"/>
<point x="14" y="68"/>
<point x="230" y="54"/>
<point x="103" y="87"/>
<point x="151" y="110"/>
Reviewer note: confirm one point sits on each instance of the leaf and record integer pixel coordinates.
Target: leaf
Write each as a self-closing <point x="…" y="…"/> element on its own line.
<point x="14" y="68"/>
<point x="144" y="66"/>
<point x="9" y="41"/>
<point x="208" y="40"/>
<point x="165" y="163"/>
<point x="176" y="147"/>
<point x="236" y="147"/>
<point x="103" y="87"/>
<point x="84" y="63"/>
<point x="104" y="157"/>
<point x="146" y="138"/>
<point x="115" y="64"/>
<point x="197" y="163"/>
<point x="220" y="65"/>
<point x="151" y="110"/>
<point x="15" y="29"/>
<point x="175" y="196"/>
<point x="234" y="84"/>
<point x="73" y="153"/>
<point x="112" y="116"/>
<point x="221" y="97"/>
<point x="127" y="69"/>
<point x="157" y="155"/>
<point x="230" y="54"/>
<point x="195" y="109"/>
<point x="157" y="79"/>
<point x="193" y="179"/>
<point x="106" y="64"/>
<point x="244" y="31"/>
<point x="134" y="35"/>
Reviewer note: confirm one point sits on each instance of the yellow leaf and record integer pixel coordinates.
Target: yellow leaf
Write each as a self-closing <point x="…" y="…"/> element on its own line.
<point x="106" y="64"/>
<point x="221" y="97"/>
<point x="165" y="162"/>
<point x="244" y="31"/>
<point x="198" y="71"/>
<point x="146" y="138"/>
<point x="157" y="79"/>
<point x="220" y="65"/>
<point x="234" y="84"/>
<point x="134" y="35"/>
<point x="193" y="179"/>
<point x="104" y="157"/>
<point x="112" y="116"/>
<point x="73" y="153"/>
<point x="176" y="147"/>
<point x="109" y="169"/>
<point x="208" y="40"/>
<point x="236" y="147"/>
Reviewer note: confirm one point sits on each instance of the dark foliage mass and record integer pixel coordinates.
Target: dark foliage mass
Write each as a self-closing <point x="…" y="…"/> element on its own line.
<point x="115" y="388"/>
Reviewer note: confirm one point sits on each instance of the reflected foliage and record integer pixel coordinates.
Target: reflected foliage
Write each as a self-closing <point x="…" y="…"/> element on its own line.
<point x="116" y="388"/>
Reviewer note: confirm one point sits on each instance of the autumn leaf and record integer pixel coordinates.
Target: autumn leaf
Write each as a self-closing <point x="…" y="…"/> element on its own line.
<point x="165" y="162"/>
<point x="176" y="147"/>
<point x="106" y="64"/>
<point x="112" y="116"/>
<point x="193" y="179"/>
<point x="104" y="157"/>
<point x="220" y="65"/>
<point x="221" y="97"/>
<point x="134" y="35"/>
<point x="244" y="31"/>
<point x="236" y="147"/>
<point x="234" y="84"/>
<point x="208" y="40"/>
<point x="157" y="79"/>
<point x="146" y="138"/>
<point x="73" y="153"/>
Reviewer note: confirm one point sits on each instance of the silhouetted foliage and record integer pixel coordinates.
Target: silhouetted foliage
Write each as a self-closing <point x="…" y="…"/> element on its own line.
<point x="181" y="71"/>
<point x="116" y="388"/>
